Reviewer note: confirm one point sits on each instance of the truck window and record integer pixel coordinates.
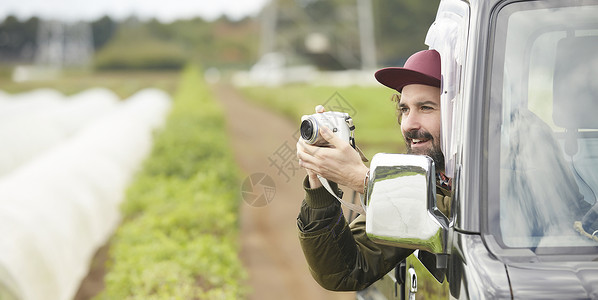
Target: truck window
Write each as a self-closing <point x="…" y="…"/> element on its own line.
<point x="543" y="125"/>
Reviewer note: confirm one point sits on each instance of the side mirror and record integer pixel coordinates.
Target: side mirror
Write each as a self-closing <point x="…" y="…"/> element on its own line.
<point x="401" y="203"/>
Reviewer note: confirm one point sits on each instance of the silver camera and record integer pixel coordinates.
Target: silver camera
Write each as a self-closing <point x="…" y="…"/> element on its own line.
<point x="339" y="123"/>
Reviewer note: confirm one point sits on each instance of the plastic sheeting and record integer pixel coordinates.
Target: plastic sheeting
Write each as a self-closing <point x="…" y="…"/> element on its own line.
<point x="33" y="122"/>
<point x="60" y="205"/>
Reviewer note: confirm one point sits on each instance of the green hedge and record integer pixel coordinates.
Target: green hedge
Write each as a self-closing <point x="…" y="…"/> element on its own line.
<point x="142" y="55"/>
<point x="179" y="236"/>
<point x="135" y="47"/>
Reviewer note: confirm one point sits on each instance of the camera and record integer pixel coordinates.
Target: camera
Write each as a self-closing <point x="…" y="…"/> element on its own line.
<point x="339" y="123"/>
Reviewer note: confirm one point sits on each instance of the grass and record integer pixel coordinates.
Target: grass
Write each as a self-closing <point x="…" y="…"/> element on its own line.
<point x="370" y="107"/>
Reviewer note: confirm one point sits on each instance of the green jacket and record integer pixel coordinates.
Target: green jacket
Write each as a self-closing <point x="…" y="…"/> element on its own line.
<point x="340" y="256"/>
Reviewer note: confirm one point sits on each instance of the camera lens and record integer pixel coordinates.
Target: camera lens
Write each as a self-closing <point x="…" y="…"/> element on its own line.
<point x="307" y="130"/>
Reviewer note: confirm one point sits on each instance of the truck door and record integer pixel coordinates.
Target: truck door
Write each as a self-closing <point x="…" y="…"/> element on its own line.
<point x="422" y="279"/>
<point x="447" y="35"/>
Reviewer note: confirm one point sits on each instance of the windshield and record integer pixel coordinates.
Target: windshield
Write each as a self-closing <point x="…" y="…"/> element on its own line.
<point x="543" y="126"/>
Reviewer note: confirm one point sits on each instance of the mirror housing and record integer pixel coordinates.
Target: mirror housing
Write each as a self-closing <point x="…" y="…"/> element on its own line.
<point x="401" y="203"/>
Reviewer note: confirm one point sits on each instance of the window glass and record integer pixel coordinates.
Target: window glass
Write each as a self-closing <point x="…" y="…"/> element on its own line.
<point x="543" y="110"/>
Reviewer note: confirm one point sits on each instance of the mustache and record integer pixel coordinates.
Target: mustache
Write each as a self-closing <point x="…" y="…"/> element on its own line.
<point x="418" y="134"/>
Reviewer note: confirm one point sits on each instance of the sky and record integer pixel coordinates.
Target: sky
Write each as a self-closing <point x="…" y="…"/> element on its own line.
<point x="165" y="11"/>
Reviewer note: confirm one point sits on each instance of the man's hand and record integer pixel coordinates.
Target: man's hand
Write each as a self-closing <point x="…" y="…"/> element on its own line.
<point x="338" y="162"/>
<point x="314" y="181"/>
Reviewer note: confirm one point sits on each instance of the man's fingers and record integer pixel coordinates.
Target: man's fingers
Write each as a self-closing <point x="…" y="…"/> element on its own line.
<point x="303" y="156"/>
<point x="320" y="109"/>
<point x="308" y="162"/>
<point x="309" y="166"/>
<point x="304" y="152"/>
<point x="311" y="157"/>
<point x="307" y="148"/>
<point x="329" y="136"/>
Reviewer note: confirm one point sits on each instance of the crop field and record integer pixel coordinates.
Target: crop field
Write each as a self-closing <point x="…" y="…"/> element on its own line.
<point x="64" y="167"/>
<point x="179" y="230"/>
<point x="179" y="235"/>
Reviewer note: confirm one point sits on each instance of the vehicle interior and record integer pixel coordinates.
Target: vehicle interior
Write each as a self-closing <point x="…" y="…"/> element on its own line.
<point x="575" y="105"/>
<point x="545" y="84"/>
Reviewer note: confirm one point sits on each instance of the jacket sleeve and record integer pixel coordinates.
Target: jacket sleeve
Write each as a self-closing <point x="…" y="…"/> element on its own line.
<point x="341" y="257"/>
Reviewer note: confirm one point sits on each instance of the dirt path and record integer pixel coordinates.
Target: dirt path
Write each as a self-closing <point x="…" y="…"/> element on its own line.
<point x="270" y="247"/>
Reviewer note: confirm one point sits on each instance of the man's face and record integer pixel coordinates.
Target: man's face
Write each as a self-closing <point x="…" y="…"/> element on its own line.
<point x="420" y="121"/>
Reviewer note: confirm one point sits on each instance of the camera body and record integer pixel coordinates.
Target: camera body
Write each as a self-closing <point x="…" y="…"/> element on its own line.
<point x="337" y="122"/>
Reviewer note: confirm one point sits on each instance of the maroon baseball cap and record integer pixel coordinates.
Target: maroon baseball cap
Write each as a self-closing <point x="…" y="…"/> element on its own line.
<point x="422" y="67"/>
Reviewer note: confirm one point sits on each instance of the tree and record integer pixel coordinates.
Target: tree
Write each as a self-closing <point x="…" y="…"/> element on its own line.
<point x="103" y="30"/>
<point x="401" y="28"/>
<point x="18" y="40"/>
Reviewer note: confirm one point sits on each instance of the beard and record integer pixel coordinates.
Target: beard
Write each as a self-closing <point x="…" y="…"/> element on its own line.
<point x="435" y="152"/>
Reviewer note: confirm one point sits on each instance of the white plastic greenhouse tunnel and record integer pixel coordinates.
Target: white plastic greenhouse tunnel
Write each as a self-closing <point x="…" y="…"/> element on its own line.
<point x="65" y="163"/>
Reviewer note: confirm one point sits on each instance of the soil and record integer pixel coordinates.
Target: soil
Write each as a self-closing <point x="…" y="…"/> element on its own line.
<point x="264" y="144"/>
<point x="93" y="283"/>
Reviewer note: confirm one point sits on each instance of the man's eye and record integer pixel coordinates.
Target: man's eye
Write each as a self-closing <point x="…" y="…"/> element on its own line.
<point x="404" y="110"/>
<point x="427" y="108"/>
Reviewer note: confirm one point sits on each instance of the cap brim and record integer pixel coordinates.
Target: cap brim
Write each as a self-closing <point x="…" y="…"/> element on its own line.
<point x="397" y="78"/>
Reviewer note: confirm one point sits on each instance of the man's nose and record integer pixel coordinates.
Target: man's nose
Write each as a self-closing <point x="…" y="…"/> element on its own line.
<point x="411" y="121"/>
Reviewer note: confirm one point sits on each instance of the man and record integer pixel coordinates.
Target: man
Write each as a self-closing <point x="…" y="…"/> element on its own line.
<point x="341" y="257"/>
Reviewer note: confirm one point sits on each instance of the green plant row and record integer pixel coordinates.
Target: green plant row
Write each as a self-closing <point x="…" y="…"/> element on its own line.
<point x="179" y="235"/>
<point x="140" y="55"/>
